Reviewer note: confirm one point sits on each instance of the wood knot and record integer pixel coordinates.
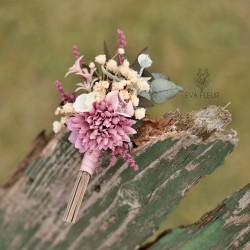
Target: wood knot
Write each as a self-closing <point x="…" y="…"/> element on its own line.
<point x="129" y="195"/>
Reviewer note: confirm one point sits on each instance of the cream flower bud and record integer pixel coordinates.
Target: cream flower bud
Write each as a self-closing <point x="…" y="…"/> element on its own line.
<point x="134" y="99"/>
<point x="132" y="74"/>
<point x="112" y="65"/>
<point x="58" y="110"/>
<point x="101" y="86"/>
<point x="142" y="85"/>
<point x="140" y="113"/>
<point x="121" y="51"/>
<point x="124" y="70"/>
<point x="57" y="126"/>
<point x="125" y="94"/>
<point x="63" y="120"/>
<point x="99" y="96"/>
<point x="101" y="59"/>
<point x="125" y="63"/>
<point x="119" y="85"/>
<point x="92" y="65"/>
<point x="68" y="108"/>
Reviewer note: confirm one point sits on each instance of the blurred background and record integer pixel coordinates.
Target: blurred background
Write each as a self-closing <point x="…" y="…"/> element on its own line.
<point x="35" y="49"/>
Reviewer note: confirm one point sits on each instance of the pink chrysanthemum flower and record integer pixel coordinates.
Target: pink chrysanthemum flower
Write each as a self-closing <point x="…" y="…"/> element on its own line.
<point x="101" y="128"/>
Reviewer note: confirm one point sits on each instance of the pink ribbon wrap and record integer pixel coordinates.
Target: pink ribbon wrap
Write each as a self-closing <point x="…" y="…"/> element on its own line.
<point x="91" y="161"/>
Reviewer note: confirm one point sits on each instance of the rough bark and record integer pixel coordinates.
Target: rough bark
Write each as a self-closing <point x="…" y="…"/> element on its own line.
<point x="121" y="207"/>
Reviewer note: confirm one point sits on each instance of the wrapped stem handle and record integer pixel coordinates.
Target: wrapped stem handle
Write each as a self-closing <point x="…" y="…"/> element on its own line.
<point x="89" y="165"/>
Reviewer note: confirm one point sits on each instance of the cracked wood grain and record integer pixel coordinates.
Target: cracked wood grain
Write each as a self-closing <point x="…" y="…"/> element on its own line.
<point x="122" y="207"/>
<point x="225" y="227"/>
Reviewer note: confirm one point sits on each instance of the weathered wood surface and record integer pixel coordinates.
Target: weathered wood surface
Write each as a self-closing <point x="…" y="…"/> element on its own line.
<point x="122" y="208"/>
<point x="225" y="227"/>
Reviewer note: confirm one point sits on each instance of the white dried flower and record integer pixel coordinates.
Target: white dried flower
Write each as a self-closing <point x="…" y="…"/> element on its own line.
<point x="68" y="108"/>
<point x="133" y="79"/>
<point x="124" y="70"/>
<point x="112" y="65"/>
<point x="125" y="63"/>
<point x="142" y="85"/>
<point x="144" y="60"/>
<point x="92" y="65"/>
<point x="57" y="126"/>
<point x="140" y="113"/>
<point x="99" y="96"/>
<point x="132" y="74"/>
<point x="125" y="94"/>
<point x="121" y="51"/>
<point x="63" y="120"/>
<point x="58" y="110"/>
<point x="101" y="86"/>
<point x="101" y="59"/>
<point x="119" y="85"/>
<point x="134" y="99"/>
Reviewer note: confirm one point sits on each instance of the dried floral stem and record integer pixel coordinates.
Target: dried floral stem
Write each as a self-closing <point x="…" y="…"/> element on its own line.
<point x="76" y="197"/>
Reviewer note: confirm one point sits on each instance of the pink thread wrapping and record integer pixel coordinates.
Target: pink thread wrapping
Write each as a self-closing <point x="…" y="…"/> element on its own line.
<point x="91" y="161"/>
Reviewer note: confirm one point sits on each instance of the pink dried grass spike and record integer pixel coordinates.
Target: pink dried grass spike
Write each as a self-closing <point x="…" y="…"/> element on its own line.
<point x="65" y="97"/>
<point x="122" y="42"/>
<point x="76" y="53"/>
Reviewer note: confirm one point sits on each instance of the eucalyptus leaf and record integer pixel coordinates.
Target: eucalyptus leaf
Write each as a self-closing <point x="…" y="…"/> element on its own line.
<point x="145" y="94"/>
<point x="137" y="67"/>
<point x="160" y="76"/>
<point x="144" y="102"/>
<point x="162" y="90"/>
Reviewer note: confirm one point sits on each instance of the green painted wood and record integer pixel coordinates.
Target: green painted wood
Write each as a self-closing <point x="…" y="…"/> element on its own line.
<point x="122" y="207"/>
<point x="226" y="227"/>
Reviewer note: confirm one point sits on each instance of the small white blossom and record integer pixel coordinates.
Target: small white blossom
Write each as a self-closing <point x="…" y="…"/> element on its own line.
<point x="140" y="113"/>
<point x="134" y="99"/>
<point x="144" y="60"/>
<point x="57" y="126"/>
<point x="132" y="74"/>
<point x="119" y="85"/>
<point x="125" y="63"/>
<point x="101" y="59"/>
<point x="125" y="95"/>
<point x="92" y="65"/>
<point x="124" y="70"/>
<point x="63" y="120"/>
<point x="142" y="85"/>
<point x="112" y="65"/>
<point x="58" y="110"/>
<point x="99" y="96"/>
<point x="133" y="79"/>
<point x="68" y="108"/>
<point x="101" y="86"/>
<point x="121" y="51"/>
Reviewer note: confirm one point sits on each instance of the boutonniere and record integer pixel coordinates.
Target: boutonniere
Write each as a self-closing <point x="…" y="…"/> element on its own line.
<point x="111" y="96"/>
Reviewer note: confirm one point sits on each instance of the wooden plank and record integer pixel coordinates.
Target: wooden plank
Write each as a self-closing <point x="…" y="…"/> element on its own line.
<point x="122" y="207"/>
<point x="225" y="227"/>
